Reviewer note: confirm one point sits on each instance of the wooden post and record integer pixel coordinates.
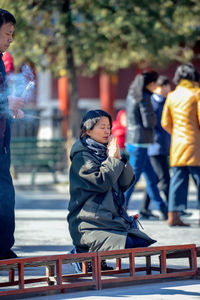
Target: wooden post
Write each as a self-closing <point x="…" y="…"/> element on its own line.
<point x="108" y="92"/>
<point x="63" y="102"/>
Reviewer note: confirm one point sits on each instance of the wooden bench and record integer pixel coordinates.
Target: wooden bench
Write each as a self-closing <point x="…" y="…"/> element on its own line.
<point x="37" y="154"/>
<point x="56" y="278"/>
<point x="152" y="271"/>
<point x="183" y="253"/>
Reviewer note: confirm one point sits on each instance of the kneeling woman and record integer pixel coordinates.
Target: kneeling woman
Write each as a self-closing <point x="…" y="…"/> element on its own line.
<point x="98" y="178"/>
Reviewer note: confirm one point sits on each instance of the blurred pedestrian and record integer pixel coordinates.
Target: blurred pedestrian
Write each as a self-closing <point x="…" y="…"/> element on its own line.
<point x="8" y="63"/>
<point x="141" y="122"/>
<point x="99" y="176"/>
<point x="119" y="129"/>
<point x="9" y="107"/>
<point x="181" y="118"/>
<point x="158" y="151"/>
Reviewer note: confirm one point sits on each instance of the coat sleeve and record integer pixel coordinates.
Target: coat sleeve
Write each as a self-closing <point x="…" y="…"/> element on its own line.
<point x="94" y="176"/>
<point x="166" y="120"/>
<point x="127" y="177"/>
<point x="147" y="113"/>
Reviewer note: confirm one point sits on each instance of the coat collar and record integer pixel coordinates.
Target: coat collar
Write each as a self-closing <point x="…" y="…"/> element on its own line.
<point x="188" y="84"/>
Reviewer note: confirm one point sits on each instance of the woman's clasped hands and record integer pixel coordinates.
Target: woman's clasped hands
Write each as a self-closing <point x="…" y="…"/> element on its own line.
<point x="113" y="147"/>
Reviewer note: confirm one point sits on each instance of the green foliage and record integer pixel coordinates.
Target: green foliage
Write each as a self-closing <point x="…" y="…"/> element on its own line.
<point x="106" y="34"/>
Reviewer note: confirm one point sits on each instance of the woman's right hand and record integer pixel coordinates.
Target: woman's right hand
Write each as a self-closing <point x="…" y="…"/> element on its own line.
<point x="113" y="147"/>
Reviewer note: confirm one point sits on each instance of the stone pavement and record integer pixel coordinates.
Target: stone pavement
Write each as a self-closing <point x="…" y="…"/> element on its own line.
<point x="41" y="229"/>
<point x="184" y="290"/>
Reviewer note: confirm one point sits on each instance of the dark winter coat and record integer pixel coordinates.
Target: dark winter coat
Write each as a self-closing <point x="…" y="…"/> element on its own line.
<point x="94" y="220"/>
<point x="141" y="119"/>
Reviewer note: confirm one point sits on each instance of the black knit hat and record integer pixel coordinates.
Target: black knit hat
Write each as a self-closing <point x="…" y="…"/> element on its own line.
<point x="91" y="118"/>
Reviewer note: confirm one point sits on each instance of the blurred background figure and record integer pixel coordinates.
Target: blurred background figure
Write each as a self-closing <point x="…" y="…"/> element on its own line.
<point x="9" y="107"/>
<point x="141" y="121"/>
<point x="119" y="129"/>
<point x="8" y="62"/>
<point x="10" y="68"/>
<point x="181" y="118"/>
<point x="158" y="151"/>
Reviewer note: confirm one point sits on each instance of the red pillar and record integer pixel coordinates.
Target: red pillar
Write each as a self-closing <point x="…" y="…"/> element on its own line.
<point x="63" y="102"/>
<point x="108" y="92"/>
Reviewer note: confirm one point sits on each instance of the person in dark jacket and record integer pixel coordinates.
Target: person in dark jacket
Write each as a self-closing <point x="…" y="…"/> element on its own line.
<point x="158" y="151"/>
<point x="98" y="178"/>
<point x="141" y="122"/>
<point x="9" y="107"/>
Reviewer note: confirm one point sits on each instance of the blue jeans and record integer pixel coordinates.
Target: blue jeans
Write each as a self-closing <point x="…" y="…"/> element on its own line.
<point x="178" y="188"/>
<point x="140" y="162"/>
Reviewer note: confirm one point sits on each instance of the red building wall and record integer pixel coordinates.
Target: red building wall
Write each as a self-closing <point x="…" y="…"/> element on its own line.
<point x="89" y="87"/>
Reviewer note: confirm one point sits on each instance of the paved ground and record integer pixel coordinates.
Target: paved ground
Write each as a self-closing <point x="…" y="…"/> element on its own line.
<point x="41" y="229"/>
<point x="184" y="290"/>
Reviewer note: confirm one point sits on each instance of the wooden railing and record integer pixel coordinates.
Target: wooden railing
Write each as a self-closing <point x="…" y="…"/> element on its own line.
<point x="55" y="278"/>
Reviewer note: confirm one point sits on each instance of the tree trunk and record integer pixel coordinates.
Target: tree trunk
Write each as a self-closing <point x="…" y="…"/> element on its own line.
<point x="74" y="113"/>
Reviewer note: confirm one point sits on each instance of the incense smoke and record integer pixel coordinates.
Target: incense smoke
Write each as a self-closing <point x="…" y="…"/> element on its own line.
<point x="22" y="84"/>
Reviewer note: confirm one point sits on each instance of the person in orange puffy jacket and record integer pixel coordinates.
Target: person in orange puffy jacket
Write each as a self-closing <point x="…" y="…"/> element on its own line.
<point x="181" y="118"/>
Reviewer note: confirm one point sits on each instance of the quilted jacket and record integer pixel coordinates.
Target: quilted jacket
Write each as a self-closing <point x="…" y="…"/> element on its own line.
<point x="181" y="118"/>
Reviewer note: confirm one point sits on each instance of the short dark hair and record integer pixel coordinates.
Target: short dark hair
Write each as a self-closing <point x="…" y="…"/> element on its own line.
<point x="6" y="17"/>
<point x="149" y="76"/>
<point x="91" y="118"/>
<point x="162" y="80"/>
<point x="186" y="71"/>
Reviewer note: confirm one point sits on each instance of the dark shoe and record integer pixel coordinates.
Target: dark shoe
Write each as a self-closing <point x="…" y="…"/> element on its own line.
<point x="104" y="266"/>
<point x="78" y="266"/>
<point x="147" y="214"/>
<point x="183" y="213"/>
<point x="9" y="255"/>
<point x="174" y="219"/>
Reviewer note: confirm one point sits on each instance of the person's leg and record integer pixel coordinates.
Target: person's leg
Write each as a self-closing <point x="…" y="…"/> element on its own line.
<point x="145" y="202"/>
<point x="178" y="190"/>
<point x="195" y="172"/>
<point x="145" y="212"/>
<point x="152" y="189"/>
<point x="160" y="165"/>
<point x="137" y="160"/>
<point x="7" y="203"/>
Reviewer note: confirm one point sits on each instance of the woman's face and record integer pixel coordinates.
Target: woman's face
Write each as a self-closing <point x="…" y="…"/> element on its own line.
<point x="101" y="131"/>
